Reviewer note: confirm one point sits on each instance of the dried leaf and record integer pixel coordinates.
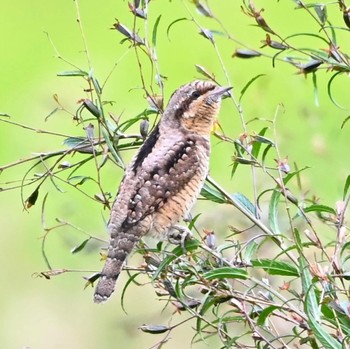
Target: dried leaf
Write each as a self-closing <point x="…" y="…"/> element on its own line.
<point x="203" y="9"/>
<point x="32" y="198"/>
<point x="154" y="329"/>
<point x="138" y="12"/>
<point x="92" y="108"/>
<point x="128" y="33"/>
<point x="207" y="34"/>
<point x="244" y="53"/>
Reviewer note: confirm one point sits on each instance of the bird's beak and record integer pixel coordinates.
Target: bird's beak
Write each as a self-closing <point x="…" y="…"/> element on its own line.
<point x="219" y="93"/>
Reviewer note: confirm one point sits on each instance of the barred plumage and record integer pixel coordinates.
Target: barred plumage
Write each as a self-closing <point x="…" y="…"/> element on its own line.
<point x="164" y="178"/>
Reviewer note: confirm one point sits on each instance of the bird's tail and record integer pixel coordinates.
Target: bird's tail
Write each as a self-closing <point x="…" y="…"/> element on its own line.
<point x="119" y="248"/>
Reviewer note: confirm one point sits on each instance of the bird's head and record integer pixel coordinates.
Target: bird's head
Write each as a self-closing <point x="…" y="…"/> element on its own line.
<point x="195" y="105"/>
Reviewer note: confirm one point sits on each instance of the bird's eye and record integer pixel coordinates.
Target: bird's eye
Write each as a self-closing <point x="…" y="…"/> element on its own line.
<point x="195" y="94"/>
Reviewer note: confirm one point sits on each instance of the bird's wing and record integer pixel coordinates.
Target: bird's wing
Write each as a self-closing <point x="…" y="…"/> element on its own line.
<point x="159" y="177"/>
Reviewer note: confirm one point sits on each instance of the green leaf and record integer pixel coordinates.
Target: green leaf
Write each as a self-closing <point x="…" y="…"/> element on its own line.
<point x="319" y="208"/>
<point x="97" y="85"/>
<point x="201" y="70"/>
<point x="273" y="206"/>
<point x="73" y="142"/>
<point x="91" y="279"/>
<point x="244" y="202"/>
<point x="207" y="303"/>
<point x="307" y="34"/>
<point x="342" y="315"/>
<point x="265" y="313"/>
<point x="172" y="23"/>
<point x="274" y="267"/>
<point x="193" y="221"/>
<point x="266" y="150"/>
<point x="257" y="144"/>
<point x="80" y="247"/>
<point x="345" y="250"/>
<point x="154" y="33"/>
<point x="346" y="187"/>
<point x="329" y="90"/>
<point x="246" y="86"/>
<point x="113" y="151"/>
<point x="234" y="168"/>
<point x="345" y="121"/>
<point x="314" y="82"/>
<point x="321" y="11"/>
<point x="312" y="309"/>
<point x="73" y="73"/>
<point x="273" y="212"/>
<point x="212" y="194"/>
<point x="51" y="113"/>
<point x="78" y="180"/>
<point x="226" y="273"/>
<point x="190" y="246"/>
<point x="249" y="251"/>
<point x="130" y="280"/>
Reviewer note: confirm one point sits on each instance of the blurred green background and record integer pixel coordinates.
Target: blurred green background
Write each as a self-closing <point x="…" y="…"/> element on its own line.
<point x="38" y="313"/>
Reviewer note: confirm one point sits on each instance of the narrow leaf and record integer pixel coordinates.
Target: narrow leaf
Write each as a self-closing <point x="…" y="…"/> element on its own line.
<point x="33" y="197"/>
<point x="174" y="22"/>
<point x="265" y="313"/>
<point x="80" y="247"/>
<point x="190" y="246"/>
<point x="154" y="329"/>
<point x="345" y="121"/>
<point x="78" y="180"/>
<point x="73" y="73"/>
<point x="273" y="206"/>
<point x="274" y="267"/>
<point x="243" y="201"/>
<point x="314" y="82"/>
<point x="203" y="9"/>
<point x="154" y="33"/>
<point x="91" y="279"/>
<point x="73" y="142"/>
<point x="130" y="280"/>
<point x="329" y="90"/>
<point x="346" y="187"/>
<point x="244" y="53"/>
<point x="250" y="250"/>
<point x="112" y="150"/>
<point x="51" y="113"/>
<point x="212" y="194"/>
<point x="204" y="72"/>
<point x="226" y="273"/>
<point x="257" y="144"/>
<point x="312" y="309"/>
<point x="245" y="88"/>
<point x="319" y="208"/>
<point x="321" y="11"/>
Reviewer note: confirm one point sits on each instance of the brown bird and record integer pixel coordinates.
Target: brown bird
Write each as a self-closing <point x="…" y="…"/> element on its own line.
<point x="164" y="178"/>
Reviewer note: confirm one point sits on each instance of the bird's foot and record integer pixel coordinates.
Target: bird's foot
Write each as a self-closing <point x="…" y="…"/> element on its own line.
<point x="177" y="235"/>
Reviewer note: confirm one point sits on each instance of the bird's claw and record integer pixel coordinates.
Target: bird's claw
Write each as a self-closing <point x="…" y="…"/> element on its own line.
<point x="177" y="235"/>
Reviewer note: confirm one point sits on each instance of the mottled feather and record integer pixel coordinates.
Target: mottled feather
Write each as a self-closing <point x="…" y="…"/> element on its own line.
<point x="164" y="178"/>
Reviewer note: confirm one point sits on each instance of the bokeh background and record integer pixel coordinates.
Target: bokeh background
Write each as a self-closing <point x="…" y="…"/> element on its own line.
<point x="38" y="313"/>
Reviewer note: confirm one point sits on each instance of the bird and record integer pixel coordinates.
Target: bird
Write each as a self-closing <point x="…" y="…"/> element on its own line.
<point x="164" y="178"/>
